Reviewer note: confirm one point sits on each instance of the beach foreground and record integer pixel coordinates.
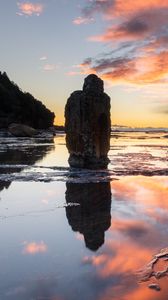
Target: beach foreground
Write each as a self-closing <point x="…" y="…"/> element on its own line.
<point x="78" y="234"/>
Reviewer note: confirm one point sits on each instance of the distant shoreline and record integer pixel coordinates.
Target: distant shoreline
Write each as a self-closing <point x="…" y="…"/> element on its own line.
<point x="118" y="128"/>
<point x="139" y="129"/>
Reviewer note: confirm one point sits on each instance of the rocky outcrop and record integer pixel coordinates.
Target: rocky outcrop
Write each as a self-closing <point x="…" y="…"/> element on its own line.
<point x="20" y="130"/>
<point x="156" y="269"/>
<point x="88" y="125"/>
<point x="92" y="217"/>
<point x="19" y="107"/>
<point x="4" y="185"/>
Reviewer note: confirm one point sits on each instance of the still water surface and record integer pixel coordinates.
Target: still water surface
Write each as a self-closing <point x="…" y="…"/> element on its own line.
<point x="72" y="234"/>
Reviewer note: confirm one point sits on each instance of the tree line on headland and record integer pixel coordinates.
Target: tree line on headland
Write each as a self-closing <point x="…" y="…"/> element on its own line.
<point x="20" y="107"/>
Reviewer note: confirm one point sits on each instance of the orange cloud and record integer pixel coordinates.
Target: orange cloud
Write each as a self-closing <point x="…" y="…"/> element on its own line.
<point x="128" y="225"/>
<point x="145" y="69"/>
<point x="146" y="190"/>
<point x="138" y="230"/>
<point x="112" y="8"/>
<point x="138" y="292"/>
<point x="34" y="248"/>
<point x="138" y="38"/>
<point x="121" y="259"/>
<point x="136" y="27"/>
<point x="127" y="7"/>
<point x="144" y="293"/>
<point x="29" y="8"/>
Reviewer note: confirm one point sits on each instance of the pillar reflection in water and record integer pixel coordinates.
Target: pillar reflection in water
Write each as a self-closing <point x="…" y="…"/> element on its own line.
<point x="92" y="217"/>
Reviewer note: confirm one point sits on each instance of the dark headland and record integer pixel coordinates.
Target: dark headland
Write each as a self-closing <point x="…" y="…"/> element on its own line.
<point x="20" y="107"/>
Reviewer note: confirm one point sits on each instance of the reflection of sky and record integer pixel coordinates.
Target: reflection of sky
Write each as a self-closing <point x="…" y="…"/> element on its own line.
<point x="59" y="266"/>
<point x="57" y="157"/>
<point x="32" y="248"/>
<point x="138" y="231"/>
<point x="42" y="258"/>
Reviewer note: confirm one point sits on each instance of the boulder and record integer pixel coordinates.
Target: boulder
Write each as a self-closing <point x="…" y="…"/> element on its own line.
<point x="88" y="125"/>
<point x="20" y="130"/>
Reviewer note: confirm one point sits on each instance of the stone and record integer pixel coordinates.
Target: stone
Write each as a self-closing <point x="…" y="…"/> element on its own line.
<point x="88" y="125"/>
<point x="150" y="270"/>
<point x="161" y="274"/>
<point x="154" y="286"/>
<point x="162" y="253"/>
<point x="20" y="130"/>
<point x="145" y="274"/>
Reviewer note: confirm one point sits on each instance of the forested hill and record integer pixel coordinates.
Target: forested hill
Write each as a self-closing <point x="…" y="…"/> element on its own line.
<point x="19" y="107"/>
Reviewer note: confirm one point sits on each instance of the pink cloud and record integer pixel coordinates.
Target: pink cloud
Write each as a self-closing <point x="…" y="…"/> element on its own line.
<point x="29" y="8"/>
<point x="49" y="67"/>
<point x="148" y="68"/>
<point x="72" y="73"/>
<point x="82" y="20"/>
<point x="137" y="35"/>
<point x="34" y="248"/>
<point x="112" y="8"/>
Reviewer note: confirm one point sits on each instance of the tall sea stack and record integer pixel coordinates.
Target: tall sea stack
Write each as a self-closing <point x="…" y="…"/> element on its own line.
<point x="88" y="124"/>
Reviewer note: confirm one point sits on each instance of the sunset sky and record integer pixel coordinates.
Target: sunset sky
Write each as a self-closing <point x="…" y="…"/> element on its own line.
<point x="49" y="46"/>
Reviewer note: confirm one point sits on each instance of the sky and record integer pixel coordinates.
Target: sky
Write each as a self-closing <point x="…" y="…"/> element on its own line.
<point x="48" y="47"/>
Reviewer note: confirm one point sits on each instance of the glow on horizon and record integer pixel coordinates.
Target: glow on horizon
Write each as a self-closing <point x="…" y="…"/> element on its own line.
<point x="137" y="122"/>
<point x="123" y="42"/>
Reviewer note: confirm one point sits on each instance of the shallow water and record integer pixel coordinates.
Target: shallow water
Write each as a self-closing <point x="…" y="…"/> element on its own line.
<point x="72" y="234"/>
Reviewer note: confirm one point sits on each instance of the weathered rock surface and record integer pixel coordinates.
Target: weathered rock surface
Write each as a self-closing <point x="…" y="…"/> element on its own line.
<point x="152" y="269"/>
<point x="88" y="125"/>
<point x="20" y="130"/>
<point x="19" y="107"/>
<point x="4" y="185"/>
<point x="154" y="286"/>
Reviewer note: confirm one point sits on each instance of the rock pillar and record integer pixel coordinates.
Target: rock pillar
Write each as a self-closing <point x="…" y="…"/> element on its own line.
<point x="88" y="125"/>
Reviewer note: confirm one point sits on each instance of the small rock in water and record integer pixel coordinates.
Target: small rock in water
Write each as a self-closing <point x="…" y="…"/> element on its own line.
<point x="21" y="130"/>
<point x="146" y="273"/>
<point x="154" y="286"/>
